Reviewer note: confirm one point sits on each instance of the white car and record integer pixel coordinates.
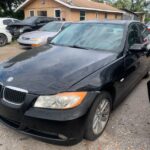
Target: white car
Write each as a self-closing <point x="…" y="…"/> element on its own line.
<point x="41" y="36"/>
<point x="5" y="35"/>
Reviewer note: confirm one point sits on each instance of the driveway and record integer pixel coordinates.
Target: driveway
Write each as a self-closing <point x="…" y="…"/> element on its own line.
<point x="128" y="128"/>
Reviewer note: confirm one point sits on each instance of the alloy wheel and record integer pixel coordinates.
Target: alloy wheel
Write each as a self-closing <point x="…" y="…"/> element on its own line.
<point x="101" y="116"/>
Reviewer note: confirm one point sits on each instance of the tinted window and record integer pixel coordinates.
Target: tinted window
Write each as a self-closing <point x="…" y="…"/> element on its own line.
<point x="97" y="36"/>
<point x="134" y="37"/>
<point x="7" y="22"/>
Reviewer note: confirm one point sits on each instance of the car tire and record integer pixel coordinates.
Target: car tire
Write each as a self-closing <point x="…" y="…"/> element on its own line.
<point x="3" y="40"/>
<point x="92" y="132"/>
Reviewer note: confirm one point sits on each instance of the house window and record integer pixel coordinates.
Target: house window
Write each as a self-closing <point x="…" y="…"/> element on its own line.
<point x="97" y="15"/>
<point x="58" y="14"/>
<point x="116" y="16"/>
<point x="82" y="15"/>
<point x="31" y="13"/>
<point x="42" y="13"/>
<point x="106" y="15"/>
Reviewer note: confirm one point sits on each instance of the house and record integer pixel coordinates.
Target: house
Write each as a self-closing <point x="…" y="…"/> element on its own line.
<point x="70" y="10"/>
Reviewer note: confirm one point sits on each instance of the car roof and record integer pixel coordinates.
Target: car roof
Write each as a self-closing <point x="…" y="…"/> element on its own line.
<point x="123" y="22"/>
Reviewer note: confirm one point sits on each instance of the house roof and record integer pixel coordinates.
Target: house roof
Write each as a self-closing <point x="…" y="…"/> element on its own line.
<point x="81" y="5"/>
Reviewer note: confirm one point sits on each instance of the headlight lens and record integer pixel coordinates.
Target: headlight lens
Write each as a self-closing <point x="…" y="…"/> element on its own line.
<point x="61" y="101"/>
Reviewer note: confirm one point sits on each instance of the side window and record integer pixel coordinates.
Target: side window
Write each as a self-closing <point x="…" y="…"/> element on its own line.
<point x="144" y="32"/>
<point x="7" y="22"/>
<point x="133" y="37"/>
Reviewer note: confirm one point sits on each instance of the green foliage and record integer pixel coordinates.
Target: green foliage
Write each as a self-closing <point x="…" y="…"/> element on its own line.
<point x="7" y="8"/>
<point x="147" y="19"/>
<point x="133" y="5"/>
<point x="123" y="4"/>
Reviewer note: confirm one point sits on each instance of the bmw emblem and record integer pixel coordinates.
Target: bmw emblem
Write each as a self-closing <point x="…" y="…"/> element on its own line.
<point x="10" y="79"/>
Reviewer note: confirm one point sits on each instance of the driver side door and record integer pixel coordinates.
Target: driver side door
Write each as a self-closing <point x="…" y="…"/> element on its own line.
<point x="134" y="62"/>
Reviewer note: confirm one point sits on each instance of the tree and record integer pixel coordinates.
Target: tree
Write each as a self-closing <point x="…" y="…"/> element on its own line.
<point x="133" y="5"/>
<point x="122" y="4"/>
<point x="7" y="8"/>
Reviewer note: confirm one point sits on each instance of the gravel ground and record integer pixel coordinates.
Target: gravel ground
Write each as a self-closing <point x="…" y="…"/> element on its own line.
<point x="128" y="128"/>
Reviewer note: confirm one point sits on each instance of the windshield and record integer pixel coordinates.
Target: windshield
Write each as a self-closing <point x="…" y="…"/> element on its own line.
<point x="29" y="20"/>
<point x="97" y="36"/>
<point x="52" y="27"/>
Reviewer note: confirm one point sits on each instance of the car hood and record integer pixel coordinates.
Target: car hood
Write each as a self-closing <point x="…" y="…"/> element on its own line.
<point x="52" y="69"/>
<point x="39" y="34"/>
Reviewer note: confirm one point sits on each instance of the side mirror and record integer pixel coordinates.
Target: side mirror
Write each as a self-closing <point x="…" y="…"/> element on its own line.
<point x="49" y="40"/>
<point x="138" y="48"/>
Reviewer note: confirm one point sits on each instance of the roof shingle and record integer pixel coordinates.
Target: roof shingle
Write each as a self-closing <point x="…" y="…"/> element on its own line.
<point x="80" y="4"/>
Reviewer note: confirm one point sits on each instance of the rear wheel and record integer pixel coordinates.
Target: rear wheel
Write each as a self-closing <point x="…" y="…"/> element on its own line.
<point x="98" y="116"/>
<point x="3" y="40"/>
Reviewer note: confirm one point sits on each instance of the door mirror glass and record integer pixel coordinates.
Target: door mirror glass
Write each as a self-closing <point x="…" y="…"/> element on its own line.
<point x="138" y="48"/>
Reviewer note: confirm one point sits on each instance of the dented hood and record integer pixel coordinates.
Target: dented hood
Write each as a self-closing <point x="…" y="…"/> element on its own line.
<point x="52" y="69"/>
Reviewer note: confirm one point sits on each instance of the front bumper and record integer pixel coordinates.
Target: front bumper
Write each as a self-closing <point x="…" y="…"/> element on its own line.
<point x="62" y="127"/>
<point x="28" y="43"/>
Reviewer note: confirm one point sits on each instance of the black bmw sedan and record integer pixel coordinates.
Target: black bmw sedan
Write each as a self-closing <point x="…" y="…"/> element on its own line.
<point x="65" y="91"/>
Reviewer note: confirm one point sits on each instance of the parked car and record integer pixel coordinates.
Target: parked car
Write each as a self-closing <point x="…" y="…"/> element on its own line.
<point x="66" y="90"/>
<point x="29" y="24"/>
<point x="5" y="36"/>
<point x="41" y="36"/>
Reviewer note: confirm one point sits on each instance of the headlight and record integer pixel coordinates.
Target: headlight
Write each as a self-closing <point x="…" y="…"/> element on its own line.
<point x="61" y="101"/>
<point x="35" y="39"/>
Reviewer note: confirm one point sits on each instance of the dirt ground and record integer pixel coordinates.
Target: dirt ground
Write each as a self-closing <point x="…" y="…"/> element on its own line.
<point x="128" y="128"/>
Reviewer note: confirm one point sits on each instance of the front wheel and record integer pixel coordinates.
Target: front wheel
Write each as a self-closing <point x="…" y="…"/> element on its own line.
<point x="98" y="116"/>
<point x="3" y="40"/>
